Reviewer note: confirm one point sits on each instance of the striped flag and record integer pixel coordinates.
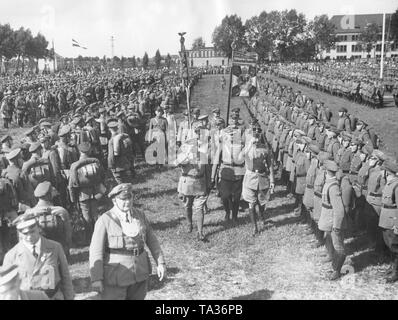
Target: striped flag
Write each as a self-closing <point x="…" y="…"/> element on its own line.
<point x="76" y="44"/>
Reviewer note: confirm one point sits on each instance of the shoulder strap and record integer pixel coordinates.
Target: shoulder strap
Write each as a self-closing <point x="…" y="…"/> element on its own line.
<point x="112" y="216"/>
<point x="332" y="184"/>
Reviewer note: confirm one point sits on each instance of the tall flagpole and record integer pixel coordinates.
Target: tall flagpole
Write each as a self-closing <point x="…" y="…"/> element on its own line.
<point x="382" y="46"/>
<point x="233" y="46"/>
<point x="185" y="74"/>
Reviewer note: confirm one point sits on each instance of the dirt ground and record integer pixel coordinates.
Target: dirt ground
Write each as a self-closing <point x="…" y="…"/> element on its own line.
<point x="278" y="264"/>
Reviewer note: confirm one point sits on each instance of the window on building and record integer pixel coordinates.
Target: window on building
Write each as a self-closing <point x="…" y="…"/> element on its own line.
<point x="378" y="47"/>
<point x="356" y="48"/>
<point x="341" y="48"/>
<point x="355" y="37"/>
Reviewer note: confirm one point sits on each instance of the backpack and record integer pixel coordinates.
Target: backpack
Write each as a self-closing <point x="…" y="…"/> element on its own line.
<point x="51" y="224"/>
<point x="88" y="173"/>
<point x="353" y="122"/>
<point x="38" y="171"/>
<point x="121" y="144"/>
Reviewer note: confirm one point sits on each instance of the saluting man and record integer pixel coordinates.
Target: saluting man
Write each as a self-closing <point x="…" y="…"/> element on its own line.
<point x="259" y="176"/>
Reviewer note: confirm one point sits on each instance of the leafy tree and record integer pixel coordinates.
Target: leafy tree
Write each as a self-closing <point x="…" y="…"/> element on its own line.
<point x="133" y="62"/>
<point x="198" y="43"/>
<point x="116" y="61"/>
<point x="168" y="60"/>
<point x="257" y="35"/>
<point x="394" y="26"/>
<point x="369" y="36"/>
<point x="231" y="29"/>
<point x="322" y="30"/>
<point x="158" y="59"/>
<point x="286" y="26"/>
<point x="145" y="61"/>
<point x="24" y="40"/>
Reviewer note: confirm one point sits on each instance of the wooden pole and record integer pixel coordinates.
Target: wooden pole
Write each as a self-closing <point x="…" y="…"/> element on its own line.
<point x="382" y="47"/>
<point x="230" y="84"/>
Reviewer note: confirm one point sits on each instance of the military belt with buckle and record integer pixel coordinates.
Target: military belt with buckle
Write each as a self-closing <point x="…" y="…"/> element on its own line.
<point x="387" y="206"/>
<point x="127" y="252"/>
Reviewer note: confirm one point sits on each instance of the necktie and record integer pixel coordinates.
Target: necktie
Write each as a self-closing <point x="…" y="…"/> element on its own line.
<point x="35" y="252"/>
<point x="127" y="217"/>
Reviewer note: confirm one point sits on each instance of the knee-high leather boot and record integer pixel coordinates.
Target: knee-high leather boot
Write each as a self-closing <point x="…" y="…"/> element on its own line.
<point x="227" y="209"/>
<point x="235" y="210"/>
<point x="199" y="222"/>
<point x="337" y="264"/>
<point x="253" y="219"/>
<point x="188" y="215"/>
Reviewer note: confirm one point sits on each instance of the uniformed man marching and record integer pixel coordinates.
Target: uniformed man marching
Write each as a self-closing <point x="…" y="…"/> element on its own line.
<point x="259" y="177"/>
<point x="119" y="264"/>
<point x="194" y="183"/>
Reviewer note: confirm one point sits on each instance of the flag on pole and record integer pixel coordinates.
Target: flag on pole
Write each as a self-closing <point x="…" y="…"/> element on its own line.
<point x="244" y="74"/>
<point x="76" y="44"/>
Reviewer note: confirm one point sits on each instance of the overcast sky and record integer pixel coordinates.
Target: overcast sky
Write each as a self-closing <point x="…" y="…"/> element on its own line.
<point x="146" y="25"/>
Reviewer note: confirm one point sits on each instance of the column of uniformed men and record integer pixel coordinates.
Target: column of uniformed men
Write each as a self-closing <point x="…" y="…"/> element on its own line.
<point x="337" y="175"/>
<point x="53" y="180"/>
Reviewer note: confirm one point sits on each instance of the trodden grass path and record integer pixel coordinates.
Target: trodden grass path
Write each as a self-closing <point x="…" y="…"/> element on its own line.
<point x="278" y="264"/>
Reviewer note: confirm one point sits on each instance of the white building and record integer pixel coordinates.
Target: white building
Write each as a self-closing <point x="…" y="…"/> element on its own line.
<point x="206" y="57"/>
<point x="348" y="30"/>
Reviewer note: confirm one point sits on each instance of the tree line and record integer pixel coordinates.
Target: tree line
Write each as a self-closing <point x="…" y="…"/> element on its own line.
<point x="22" y="44"/>
<point x="287" y="35"/>
<point x="126" y="62"/>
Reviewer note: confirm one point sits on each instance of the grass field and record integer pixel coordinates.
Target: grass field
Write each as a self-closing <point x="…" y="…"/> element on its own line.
<point x="278" y="264"/>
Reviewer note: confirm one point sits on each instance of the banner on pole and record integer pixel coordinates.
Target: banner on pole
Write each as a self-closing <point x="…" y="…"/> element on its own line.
<point x="244" y="74"/>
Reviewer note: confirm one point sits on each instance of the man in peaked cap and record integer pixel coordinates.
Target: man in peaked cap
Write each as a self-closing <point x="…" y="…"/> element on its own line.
<point x="332" y="220"/>
<point x="86" y="186"/>
<point x="344" y="122"/>
<point x="389" y="214"/>
<point x="31" y="136"/>
<point x="54" y="220"/>
<point x="23" y="187"/>
<point x="371" y="182"/>
<point x="10" y="286"/>
<point x="259" y="178"/>
<point x="41" y="262"/>
<point x="362" y="133"/>
<point x="130" y="281"/>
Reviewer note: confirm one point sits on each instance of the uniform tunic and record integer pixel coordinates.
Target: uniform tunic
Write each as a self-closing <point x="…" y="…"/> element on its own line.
<point x="389" y="214"/>
<point x="49" y="272"/>
<point x="117" y="257"/>
<point x="256" y="182"/>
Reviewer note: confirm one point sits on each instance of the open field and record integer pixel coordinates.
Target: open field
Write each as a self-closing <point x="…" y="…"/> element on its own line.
<point x="278" y="264"/>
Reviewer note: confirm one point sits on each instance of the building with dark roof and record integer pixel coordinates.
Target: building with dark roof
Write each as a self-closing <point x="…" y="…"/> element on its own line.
<point x="348" y="31"/>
